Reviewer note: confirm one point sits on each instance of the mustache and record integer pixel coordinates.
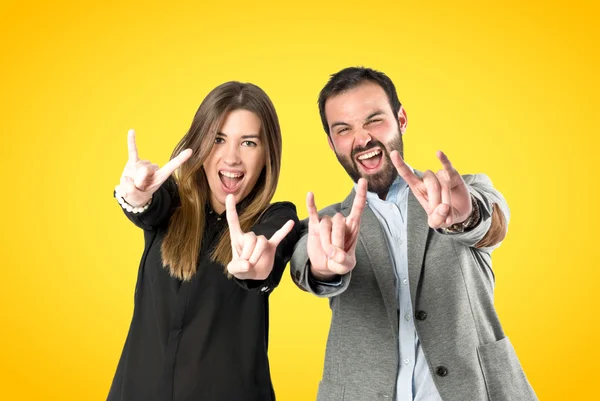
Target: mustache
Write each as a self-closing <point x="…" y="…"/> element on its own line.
<point x="372" y="145"/>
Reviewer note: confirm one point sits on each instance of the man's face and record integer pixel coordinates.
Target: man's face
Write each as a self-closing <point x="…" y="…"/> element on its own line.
<point x="363" y="131"/>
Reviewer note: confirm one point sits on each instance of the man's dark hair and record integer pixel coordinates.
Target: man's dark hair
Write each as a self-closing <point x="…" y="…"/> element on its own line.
<point x="350" y="78"/>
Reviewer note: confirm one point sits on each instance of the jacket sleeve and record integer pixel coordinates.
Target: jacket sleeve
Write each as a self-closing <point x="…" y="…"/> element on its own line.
<point x="164" y="202"/>
<point x="272" y="220"/>
<point x="480" y="186"/>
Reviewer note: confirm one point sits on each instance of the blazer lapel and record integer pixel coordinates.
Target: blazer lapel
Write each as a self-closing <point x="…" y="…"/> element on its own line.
<point x="417" y="231"/>
<point x="371" y="241"/>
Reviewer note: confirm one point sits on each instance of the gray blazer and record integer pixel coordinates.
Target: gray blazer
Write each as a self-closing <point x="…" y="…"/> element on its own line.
<point x="451" y="288"/>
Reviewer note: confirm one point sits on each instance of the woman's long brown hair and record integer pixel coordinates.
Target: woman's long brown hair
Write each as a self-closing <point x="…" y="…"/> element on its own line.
<point x="181" y="245"/>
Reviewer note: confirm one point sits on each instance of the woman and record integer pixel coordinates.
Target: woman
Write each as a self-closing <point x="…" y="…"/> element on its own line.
<point x="199" y="330"/>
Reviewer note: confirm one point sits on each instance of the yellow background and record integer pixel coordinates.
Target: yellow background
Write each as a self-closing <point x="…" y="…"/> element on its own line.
<point x="509" y="89"/>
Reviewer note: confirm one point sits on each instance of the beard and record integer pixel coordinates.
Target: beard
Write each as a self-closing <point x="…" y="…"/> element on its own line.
<point x="381" y="181"/>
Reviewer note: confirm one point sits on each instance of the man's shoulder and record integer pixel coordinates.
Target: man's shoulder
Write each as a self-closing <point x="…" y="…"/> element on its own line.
<point x="477" y="179"/>
<point x="331" y="209"/>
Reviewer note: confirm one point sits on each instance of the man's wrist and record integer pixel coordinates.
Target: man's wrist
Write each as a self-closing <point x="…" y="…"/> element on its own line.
<point x="471" y="222"/>
<point x="320" y="275"/>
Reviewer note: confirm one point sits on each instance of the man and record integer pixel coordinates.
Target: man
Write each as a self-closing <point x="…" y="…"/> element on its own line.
<point x="406" y="266"/>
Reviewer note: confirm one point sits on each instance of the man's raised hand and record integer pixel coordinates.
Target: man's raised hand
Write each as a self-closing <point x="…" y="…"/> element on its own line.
<point x="444" y="195"/>
<point x="332" y="241"/>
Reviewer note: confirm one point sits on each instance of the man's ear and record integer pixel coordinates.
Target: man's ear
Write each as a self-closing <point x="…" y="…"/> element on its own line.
<point x="402" y="120"/>
<point x="330" y="143"/>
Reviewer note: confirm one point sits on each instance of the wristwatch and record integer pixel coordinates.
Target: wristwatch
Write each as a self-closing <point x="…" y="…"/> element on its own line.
<point x="470" y="222"/>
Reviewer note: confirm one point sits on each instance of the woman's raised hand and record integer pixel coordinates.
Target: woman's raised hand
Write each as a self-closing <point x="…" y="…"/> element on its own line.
<point x="141" y="178"/>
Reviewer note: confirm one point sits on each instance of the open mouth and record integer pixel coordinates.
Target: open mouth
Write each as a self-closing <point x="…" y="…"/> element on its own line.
<point x="370" y="160"/>
<point x="231" y="180"/>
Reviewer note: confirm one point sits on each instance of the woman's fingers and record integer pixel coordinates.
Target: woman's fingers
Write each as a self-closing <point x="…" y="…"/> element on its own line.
<point x="281" y="233"/>
<point x="261" y="245"/>
<point x="132" y="147"/>
<point x="238" y="268"/>
<point x="249" y="243"/>
<point x="165" y="172"/>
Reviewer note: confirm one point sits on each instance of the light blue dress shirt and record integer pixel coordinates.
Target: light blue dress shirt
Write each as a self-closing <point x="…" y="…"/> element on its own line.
<point x="414" y="382"/>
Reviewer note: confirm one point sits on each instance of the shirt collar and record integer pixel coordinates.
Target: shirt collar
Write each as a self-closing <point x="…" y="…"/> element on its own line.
<point x="223" y="216"/>
<point x="392" y="196"/>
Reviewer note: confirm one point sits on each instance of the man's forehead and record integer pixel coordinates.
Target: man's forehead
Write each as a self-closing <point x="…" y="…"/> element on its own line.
<point x="357" y="103"/>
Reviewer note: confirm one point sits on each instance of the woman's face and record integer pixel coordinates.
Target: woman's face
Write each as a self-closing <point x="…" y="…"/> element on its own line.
<point x="236" y="159"/>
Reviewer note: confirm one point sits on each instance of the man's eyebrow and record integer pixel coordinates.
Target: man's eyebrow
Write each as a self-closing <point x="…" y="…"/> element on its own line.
<point x="375" y="113"/>
<point x="370" y="116"/>
<point x="337" y="123"/>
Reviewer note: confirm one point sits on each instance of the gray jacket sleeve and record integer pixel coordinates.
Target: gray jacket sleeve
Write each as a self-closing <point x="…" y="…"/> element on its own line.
<point x="480" y="186"/>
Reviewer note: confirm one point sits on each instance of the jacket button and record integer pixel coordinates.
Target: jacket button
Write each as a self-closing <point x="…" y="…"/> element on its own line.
<point x="441" y="371"/>
<point x="421" y="315"/>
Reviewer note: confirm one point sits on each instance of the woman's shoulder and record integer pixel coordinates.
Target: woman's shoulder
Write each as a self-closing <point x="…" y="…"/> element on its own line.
<point x="282" y="209"/>
<point x="283" y="205"/>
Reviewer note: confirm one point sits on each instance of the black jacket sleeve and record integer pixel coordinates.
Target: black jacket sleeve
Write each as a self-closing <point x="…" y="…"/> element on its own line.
<point x="164" y="202"/>
<point x="272" y="220"/>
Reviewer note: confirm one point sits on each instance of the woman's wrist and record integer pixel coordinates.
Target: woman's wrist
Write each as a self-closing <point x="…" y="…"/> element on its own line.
<point x="129" y="207"/>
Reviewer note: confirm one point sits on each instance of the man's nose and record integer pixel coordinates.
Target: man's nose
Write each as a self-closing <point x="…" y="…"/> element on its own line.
<point x="363" y="137"/>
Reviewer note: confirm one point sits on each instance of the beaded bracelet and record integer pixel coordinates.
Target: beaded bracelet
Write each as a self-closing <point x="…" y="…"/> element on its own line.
<point x="127" y="206"/>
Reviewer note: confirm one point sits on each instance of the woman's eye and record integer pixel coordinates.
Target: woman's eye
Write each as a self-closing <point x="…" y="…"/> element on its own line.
<point x="249" y="143"/>
<point x="219" y="140"/>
